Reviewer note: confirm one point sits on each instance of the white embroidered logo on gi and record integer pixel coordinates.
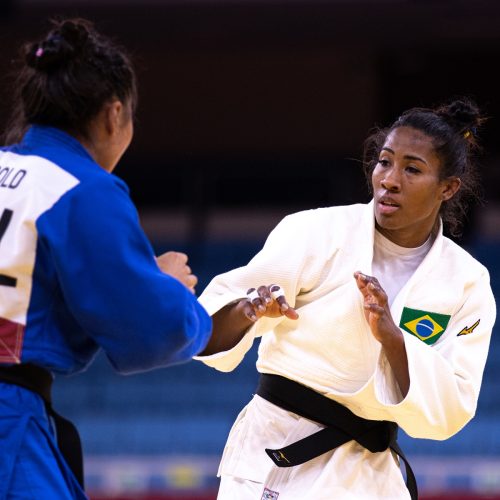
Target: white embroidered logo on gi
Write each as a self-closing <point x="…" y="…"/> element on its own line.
<point x="269" y="494"/>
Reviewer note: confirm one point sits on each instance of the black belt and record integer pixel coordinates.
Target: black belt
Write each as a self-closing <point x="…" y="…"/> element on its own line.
<point x="39" y="380"/>
<point x="341" y="426"/>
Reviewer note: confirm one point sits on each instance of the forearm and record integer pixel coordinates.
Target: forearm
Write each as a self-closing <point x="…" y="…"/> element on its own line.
<point x="229" y="327"/>
<point x="395" y="351"/>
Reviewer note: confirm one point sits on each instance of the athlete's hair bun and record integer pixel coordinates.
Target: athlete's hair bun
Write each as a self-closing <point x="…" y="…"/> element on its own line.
<point x="65" y="42"/>
<point x="463" y="115"/>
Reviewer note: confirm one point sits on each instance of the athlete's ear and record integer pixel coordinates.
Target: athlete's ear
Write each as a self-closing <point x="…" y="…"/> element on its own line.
<point x="113" y="116"/>
<point x="449" y="187"/>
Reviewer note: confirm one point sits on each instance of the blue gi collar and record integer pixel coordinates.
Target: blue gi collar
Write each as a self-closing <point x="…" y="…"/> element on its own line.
<point x="39" y="135"/>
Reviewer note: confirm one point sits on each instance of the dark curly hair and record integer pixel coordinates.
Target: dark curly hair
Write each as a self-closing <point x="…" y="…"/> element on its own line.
<point x="67" y="77"/>
<point x="453" y="129"/>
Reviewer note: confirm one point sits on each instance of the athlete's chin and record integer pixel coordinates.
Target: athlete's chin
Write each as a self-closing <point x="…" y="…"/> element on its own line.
<point x="388" y="221"/>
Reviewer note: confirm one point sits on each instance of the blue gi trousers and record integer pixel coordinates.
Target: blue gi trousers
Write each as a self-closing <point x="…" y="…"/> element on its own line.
<point x="31" y="465"/>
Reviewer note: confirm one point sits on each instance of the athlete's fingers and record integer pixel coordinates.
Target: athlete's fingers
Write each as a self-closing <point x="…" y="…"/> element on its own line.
<point x="278" y="295"/>
<point x="253" y="295"/>
<point x="191" y="280"/>
<point x="254" y="298"/>
<point x="365" y="279"/>
<point x="268" y="300"/>
<point x="265" y="295"/>
<point x="369" y="286"/>
<point x="360" y="276"/>
<point x="361" y="280"/>
<point x="378" y="293"/>
<point x="291" y="313"/>
<point x="172" y="256"/>
<point x="375" y="309"/>
<point x="374" y="286"/>
<point x="285" y="308"/>
<point x="181" y="256"/>
<point x="248" y="310"/>
<point x="276" y="291"/>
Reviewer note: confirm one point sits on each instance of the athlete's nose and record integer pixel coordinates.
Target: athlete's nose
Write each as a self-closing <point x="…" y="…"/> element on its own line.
<point x="391" y="179"/>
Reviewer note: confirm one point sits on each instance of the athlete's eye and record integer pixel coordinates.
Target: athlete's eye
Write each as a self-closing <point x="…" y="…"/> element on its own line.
<point x="412" y="169"/>
<point x="383" y="162"/>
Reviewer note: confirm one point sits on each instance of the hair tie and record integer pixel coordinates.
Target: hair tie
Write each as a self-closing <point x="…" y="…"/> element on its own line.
<point x="469" y="132"/>
<point x="39" y="52"/>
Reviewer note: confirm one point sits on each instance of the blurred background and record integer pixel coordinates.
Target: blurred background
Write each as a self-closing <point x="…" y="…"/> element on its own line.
<point x="249" y="110"/>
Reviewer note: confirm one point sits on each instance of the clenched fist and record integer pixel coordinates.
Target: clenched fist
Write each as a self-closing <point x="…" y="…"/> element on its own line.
<point x="175" y="264"/>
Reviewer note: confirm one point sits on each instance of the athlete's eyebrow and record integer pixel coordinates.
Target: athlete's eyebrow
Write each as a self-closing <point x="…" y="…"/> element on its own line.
<point x="406" y="157"/>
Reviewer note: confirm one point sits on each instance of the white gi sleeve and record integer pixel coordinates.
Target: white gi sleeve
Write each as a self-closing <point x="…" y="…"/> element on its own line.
<point x="284" y="260"/>
<point x="445" y="378"/>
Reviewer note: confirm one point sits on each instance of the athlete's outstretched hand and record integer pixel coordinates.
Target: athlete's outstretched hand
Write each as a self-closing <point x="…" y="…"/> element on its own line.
<point x="175" y="264"/>
<point x="267" y="301"/>
<point x="232" y="321"/>
<point x="376" y="306"/>
<point x="383" y="328"/>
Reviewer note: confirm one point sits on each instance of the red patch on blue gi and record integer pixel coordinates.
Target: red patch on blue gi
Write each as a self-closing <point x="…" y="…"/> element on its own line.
<point x="11" y="341"/>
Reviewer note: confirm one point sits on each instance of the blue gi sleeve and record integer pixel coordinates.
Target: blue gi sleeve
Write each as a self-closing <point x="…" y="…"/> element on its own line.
<point x="109" y="278"/>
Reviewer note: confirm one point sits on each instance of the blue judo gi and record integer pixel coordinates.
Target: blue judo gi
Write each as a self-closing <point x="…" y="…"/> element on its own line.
<point x="77" y="274"/>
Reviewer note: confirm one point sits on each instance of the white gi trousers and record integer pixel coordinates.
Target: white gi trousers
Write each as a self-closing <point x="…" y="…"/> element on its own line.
<point x="349" y="472"/>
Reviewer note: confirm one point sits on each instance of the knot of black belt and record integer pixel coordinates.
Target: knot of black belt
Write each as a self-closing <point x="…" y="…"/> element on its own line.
<point x="341" y="426"/>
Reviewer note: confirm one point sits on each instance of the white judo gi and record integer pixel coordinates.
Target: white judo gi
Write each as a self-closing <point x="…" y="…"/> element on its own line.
<point x="446" y="311"/>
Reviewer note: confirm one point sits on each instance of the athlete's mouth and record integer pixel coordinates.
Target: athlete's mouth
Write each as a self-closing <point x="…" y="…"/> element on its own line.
<point x="388" y="201"/>
<point x="387" y="205"/>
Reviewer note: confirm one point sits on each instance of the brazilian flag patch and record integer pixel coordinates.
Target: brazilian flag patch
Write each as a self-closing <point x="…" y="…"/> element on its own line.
<point x="427" y="326"/>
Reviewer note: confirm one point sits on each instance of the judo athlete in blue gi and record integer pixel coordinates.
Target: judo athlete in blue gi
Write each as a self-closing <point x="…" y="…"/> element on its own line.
<point x="77" y="273"/>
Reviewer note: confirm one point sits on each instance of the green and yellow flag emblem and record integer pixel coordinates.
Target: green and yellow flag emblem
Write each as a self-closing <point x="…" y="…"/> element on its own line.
<point x="427" y="326"/>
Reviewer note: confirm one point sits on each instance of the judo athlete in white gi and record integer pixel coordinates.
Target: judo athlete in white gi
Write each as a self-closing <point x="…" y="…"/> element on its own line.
<point x="379" y="312"/>
<point x="77" y="273"/>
